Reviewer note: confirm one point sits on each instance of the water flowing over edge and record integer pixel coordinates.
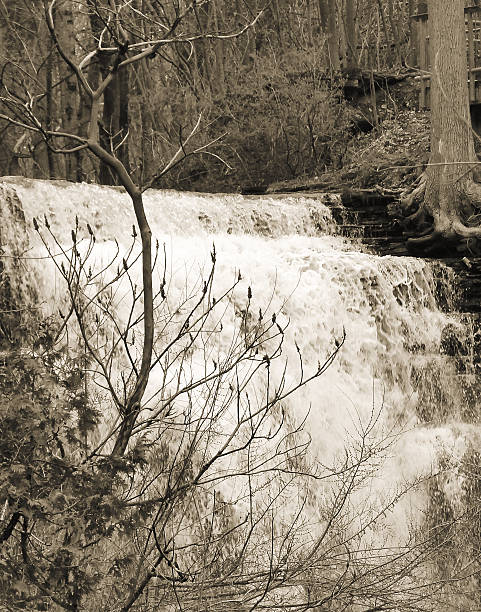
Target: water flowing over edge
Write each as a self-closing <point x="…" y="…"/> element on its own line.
<point x="319" y="285"/>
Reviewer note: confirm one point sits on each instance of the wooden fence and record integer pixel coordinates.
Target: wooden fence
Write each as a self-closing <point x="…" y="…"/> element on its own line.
<point x="473" y="44"/>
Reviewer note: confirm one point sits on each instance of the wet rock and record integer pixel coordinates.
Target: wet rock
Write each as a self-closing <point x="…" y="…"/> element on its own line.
<point x="451" y="342"/>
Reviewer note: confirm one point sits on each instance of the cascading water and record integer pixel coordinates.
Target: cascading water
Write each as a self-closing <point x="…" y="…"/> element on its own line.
<point x="390" y="377"/>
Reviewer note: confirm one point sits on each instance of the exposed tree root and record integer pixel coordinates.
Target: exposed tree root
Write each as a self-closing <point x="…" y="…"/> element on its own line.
<point x="473" y="194"/>
<point x="417" y="217"/>
<point x="441" y="228"/>
<point x="414" y="198"/>
<point x="417" y="221"/>
<point x="428" y="238"/>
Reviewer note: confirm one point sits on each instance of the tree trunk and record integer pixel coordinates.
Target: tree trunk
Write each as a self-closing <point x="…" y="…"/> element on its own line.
<point x="144" y="84"/>
<point x="447" y="186"/>
<point x="147" y="161"/>
<point x="333" y="37"/>
<point x="380" y="12"/>
<point x="50" y="112"/>
<point x="123" y="118"/>
<point x="394" y="31"/>
<point x="115" y="124"/>
<point x="83" y="163"/>
<point x="277" y="18"/>
<point x="68" y="87"/>
<point x="202" y="49"/>
<point x="219" y="56"/>
<point x="412" y="34"/>
<point x="350" y="35"/>
<point x="324" y="24"/>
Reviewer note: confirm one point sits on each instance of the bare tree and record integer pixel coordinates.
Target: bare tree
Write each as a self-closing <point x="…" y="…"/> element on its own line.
<point x="117" y="54"/>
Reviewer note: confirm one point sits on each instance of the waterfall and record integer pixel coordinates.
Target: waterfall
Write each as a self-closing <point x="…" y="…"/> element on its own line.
<point x="391" y="376"/>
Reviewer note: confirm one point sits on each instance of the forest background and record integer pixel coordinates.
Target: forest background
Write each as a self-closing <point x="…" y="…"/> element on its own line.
<point x="293" y="96"/>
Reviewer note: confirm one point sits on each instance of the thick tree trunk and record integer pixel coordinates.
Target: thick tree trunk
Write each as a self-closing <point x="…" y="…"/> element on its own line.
<point x="451" y="136"/>
<point x="449" y="192"/>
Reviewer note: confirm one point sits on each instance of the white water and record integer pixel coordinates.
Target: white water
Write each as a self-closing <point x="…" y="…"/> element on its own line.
<point x="287" y="252"/>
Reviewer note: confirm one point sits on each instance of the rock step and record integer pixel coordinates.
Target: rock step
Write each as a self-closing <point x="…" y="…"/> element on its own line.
<point x="369" y="230"/>
<point x="371" y="224"/>
<point x="365" y="216"/>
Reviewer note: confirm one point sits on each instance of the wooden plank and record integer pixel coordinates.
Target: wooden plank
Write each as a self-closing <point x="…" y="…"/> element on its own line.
<point x="471" y="75"/>
<point x="422" y="50"/>
<point x="476" y="29"/>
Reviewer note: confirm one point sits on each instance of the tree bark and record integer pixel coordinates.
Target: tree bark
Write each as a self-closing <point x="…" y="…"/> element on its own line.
<point x="202" y="50"/>
<point x="219" y="56"/>
<point x="350" y="35"/>
<point x="147" y="126"/>
<point x="394" y="31"/>
<point x="333" y="36"/>
<point x="50" y="112"/>
<point x="115" y="124"/>
<point x="412" y="34"/>
<point x="68" y="87"/>
<point x="83" y="163"/>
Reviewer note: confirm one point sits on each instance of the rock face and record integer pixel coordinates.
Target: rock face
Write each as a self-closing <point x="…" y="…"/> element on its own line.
<point x="368" y="216"/>
<point x="13" y="253"/>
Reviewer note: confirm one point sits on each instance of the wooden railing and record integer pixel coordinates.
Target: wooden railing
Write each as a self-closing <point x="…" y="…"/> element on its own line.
<point x="473" y="46"/>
